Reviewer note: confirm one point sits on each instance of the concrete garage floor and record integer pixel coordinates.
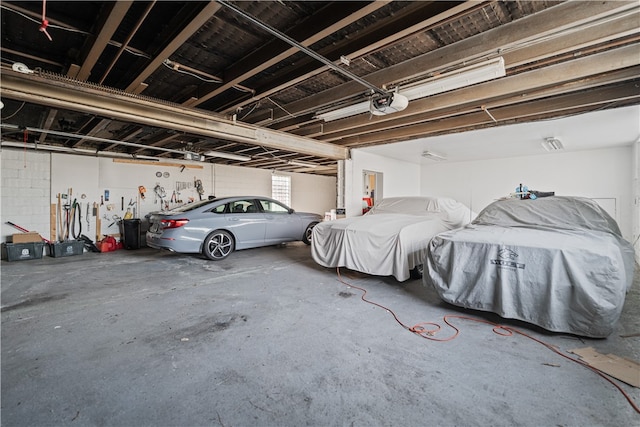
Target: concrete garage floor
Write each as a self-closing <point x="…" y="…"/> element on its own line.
<point x="269" y="338"/>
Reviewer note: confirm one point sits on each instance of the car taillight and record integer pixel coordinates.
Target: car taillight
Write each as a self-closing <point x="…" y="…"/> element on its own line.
<point x="172" y="223"/>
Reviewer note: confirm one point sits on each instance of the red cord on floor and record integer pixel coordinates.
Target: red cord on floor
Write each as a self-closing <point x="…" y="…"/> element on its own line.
<point x="420" y="330"/>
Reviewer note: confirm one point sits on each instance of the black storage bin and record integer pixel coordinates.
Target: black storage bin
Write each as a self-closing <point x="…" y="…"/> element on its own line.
<point x="23" y="251"/>
<point x="131" y="233"/>
<point x="69" y="248"/>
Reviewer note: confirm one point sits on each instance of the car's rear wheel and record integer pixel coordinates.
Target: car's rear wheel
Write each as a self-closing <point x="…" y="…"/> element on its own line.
<point x="307" y="233"/>
<point x="417" y="272"/>
<point x="218" y="245"/>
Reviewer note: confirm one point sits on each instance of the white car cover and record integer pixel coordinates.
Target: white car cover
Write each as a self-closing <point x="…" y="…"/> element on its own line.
<point x="557" y="262"/>
<point x="391" y="239"/>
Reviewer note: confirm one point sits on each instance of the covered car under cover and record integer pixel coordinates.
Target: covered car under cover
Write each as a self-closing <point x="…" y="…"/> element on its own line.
<point x="391" y="239"/>
<point x="557" y="262"/>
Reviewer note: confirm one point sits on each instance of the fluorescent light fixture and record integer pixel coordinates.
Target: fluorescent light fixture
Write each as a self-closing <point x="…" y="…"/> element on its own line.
<point x="143" y="157"/>
<point x="433" y="156"/>
<point x="552" y="144"/>
<point x="463" y="77"/>
<point x="303" y="164"/>
<point x="341" y="113"/>
<point x="230" y="156"/>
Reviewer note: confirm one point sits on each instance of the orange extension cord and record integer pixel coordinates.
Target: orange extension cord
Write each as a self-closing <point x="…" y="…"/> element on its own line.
<point x="420" y="330"/>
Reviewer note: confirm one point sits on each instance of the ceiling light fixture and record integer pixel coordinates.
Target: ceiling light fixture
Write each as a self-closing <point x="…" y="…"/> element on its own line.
<point x="303" y="164"/>
<point x="552" y="144"/>
<point x="433" y="156"/>
<point x="462" y="77"/>
<point x="230" y="156"/>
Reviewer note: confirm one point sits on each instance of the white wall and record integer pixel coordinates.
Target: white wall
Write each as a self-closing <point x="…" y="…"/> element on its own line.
<point x="399" y="178"/>
<point x="32" y="180"/>
<point x="601" y="174"/>
<point x="309" y="193"/>
<point x="24" y="189"/>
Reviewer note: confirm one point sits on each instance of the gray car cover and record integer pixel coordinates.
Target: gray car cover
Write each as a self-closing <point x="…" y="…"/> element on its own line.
<point x="390" y="239"/>
<point x="557" y="262"/>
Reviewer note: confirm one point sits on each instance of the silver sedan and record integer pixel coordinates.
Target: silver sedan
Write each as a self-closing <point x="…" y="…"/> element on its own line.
<point x="219" y="226"/>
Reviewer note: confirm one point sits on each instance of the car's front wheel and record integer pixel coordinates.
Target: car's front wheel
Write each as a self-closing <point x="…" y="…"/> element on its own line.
<point x="218" y="245"/>
<point x="307" y="233"/>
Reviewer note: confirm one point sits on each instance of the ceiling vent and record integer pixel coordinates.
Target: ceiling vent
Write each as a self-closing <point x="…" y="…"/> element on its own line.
<point x="433" y="156"/>
<point x="552" y="144"/>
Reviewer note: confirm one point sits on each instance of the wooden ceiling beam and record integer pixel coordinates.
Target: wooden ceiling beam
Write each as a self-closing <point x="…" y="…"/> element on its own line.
<point x="627" y="74"/>
<point x="524" y="31"/>
<point x="111" y="24"/>
<point x="209" y="10"/>
<point x="549" y="107"/>
<point x="415" y="17"/>
<point x="517" y="85"/>
<point x="272" y="53"/>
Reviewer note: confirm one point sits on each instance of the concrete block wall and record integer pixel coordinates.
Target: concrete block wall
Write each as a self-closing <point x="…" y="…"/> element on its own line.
<point x="24" y="191"/>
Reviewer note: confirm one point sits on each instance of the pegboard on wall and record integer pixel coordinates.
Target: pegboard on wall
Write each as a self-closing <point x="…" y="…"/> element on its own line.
<point x="153" y="185"/>
<point x="108" y="190"/>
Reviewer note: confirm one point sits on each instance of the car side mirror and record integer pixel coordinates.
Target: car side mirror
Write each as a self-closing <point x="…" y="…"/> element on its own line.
<point x="291" y="211"/>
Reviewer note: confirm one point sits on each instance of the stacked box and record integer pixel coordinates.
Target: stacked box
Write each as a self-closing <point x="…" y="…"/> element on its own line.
<point x="70" y="248"/>
<point x="29" y="237"/>
<point x="24" y="251"/>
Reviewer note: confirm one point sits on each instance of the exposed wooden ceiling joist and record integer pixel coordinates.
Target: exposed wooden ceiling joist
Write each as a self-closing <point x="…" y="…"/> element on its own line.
<point x="490" y="43"/>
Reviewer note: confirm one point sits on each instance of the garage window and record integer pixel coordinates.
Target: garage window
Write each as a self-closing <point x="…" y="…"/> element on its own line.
<point x="281" y="188"/>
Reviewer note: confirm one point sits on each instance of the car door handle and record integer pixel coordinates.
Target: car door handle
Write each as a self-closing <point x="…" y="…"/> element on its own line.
<point x="235" y="218"/>
<point x="269" y="216"/>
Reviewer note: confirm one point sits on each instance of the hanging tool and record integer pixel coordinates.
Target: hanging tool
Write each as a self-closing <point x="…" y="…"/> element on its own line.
<point x="115" y="218"/>
<point x="67" y="217"/>
<point x="59" y="213"/>
<point x="87" y="217"/>
<point x="76" y="212"/>
<point x="199" y="188"/>
<point x="160" y="194"/>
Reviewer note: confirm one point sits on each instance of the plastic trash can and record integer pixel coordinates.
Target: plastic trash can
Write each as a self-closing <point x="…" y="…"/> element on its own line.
<point x="131" y="233"/>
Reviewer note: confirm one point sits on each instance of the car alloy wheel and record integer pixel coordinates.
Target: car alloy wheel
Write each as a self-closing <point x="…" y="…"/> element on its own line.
<point x="308" y="232"/>
<point x="218" y="245"/>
